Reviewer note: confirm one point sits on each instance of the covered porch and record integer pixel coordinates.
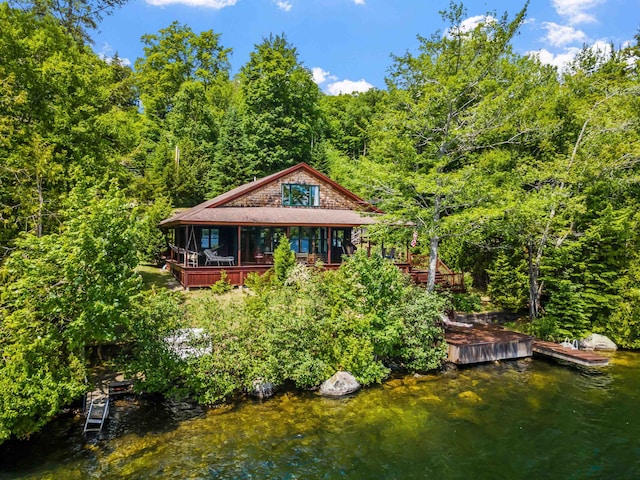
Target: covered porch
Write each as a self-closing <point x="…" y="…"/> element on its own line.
<point x="199" y="254"/>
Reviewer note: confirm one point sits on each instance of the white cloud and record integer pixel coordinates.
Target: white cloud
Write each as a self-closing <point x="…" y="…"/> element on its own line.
<point x="358" y="2"/>
<point x="576" y="11"/>
<point x="559" y="60"/>
<point x="348" y="86"/>
<point x="320" y="76"/>
<point x="563" y="59"/>
<point x="284" y="5"/>
<point x="470" y="24"/>
<point x="215" y="4"/>
<point x="107" y="54"/>
<point x="558" y="35"/>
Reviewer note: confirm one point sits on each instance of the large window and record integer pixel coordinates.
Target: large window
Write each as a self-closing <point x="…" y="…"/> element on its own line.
<point x="297" y="195"/>
<point x="210" y="238"/>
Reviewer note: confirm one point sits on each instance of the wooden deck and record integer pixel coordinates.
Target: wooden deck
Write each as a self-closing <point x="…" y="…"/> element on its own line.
<point x="579" y="357"/>
<point x="486" y="343"/>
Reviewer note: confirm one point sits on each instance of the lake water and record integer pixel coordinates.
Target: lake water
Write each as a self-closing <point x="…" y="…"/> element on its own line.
<point x="529" y="419"/>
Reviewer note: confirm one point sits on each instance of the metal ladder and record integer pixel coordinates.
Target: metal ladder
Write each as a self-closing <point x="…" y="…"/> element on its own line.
<point x="97" y="414"/>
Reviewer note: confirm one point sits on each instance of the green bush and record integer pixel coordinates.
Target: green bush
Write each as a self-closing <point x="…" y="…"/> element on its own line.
<point x="306" y="326"/>
<point x="466" y="302"/>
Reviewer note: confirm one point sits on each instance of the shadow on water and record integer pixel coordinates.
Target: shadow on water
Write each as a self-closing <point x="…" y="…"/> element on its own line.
<point x="520" y="419"/>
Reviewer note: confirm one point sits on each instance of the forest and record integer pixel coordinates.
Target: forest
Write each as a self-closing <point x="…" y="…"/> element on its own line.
<point x="523" y="176"/>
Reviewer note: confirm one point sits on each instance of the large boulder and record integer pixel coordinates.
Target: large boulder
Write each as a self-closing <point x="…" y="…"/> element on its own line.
<point x="262" y="389"/>
<point x="598" y="342"/>
<point x="342" y="383"/>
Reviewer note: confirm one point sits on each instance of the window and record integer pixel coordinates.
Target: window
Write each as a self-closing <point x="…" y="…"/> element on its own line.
<point x="296" y="195"/>
<point x="210" y="238"/>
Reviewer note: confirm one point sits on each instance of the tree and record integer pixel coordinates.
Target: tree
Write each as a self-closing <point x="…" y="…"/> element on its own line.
<point x="176" y="55"/>
<point x="58" y="294"/>
<point x="75" y="16"/>
<point x="453" y="101"/>
<point x="63" y="121"/>
<point x="281" y="106"/>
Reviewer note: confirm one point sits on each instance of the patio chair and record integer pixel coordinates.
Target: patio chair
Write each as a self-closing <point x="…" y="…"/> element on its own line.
<point x="212" y="257"/>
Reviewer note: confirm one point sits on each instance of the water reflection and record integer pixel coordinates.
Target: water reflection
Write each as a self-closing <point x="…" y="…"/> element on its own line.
<point x="524" y="419"/>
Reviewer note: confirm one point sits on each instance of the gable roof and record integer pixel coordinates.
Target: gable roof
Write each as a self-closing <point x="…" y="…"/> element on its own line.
<point x="211" y="211"/>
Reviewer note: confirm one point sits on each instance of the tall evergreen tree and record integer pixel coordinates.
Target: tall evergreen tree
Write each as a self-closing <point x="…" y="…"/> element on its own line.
<point x="281" y="106"/>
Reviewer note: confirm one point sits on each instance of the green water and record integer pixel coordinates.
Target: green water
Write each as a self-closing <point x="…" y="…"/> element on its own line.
<point x="525" y="419"/>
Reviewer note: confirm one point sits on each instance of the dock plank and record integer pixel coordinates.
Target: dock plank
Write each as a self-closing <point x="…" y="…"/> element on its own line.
<point x="580" y="357"/>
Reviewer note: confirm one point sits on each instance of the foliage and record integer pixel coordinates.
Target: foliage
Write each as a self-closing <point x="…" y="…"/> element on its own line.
<point x="509" y="282"/>
<point x="423" y="346"/>
<point x="313" y="324"/>
<point x="151" y="240"/>
<point x="223" y="285"/>
<point x="158" y="315"/>
<point x="62" y="124"/>
<point x="466" y="302"/>
<point x="59" y="293"/>
<point x="280" y="106"/>
<point x="284" y="259"/>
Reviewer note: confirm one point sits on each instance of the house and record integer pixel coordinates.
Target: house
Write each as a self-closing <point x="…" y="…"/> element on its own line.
<point x="237" y="232"/>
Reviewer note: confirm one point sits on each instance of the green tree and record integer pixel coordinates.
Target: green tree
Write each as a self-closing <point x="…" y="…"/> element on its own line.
<point x="459" y="97"/>
<point x="176" y="55"/>
<point x="281" y="106"/>
<point x="64" y="120"/>
<point x="58" y="294"/>
<point x="75" y="16"/>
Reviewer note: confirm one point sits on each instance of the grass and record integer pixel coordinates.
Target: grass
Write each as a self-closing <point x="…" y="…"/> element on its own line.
<point x="153" y="276"/>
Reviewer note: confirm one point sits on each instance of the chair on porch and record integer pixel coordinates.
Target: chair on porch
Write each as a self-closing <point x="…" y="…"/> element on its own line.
<point x="212" y="257"/>
<point x="192" y="257"/>
<point x="302" y="257"/>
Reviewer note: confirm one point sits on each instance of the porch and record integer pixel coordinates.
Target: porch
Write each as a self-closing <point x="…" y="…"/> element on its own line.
<point x="198" y="254"/>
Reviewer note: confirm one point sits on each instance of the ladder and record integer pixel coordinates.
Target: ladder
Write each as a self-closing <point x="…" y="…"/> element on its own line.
<point x="97" y="414"/>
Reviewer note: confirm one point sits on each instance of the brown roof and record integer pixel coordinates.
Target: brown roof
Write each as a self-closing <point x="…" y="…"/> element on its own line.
<point x="272" y="216"/>
<point x="214" y="211"/>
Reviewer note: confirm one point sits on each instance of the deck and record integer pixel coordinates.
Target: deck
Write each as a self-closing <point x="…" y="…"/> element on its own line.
<point x="205" y="276"/>
<point x="486" y="343"/>
<point x="579" y="357"/>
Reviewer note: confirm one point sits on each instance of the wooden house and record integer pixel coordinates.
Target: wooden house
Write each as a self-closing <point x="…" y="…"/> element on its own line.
<point x="238" y="231"/>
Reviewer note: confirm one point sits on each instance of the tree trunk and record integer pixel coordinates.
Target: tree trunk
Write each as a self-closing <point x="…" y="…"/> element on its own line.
<point x="433" y="246"/>
<point x="534" y="271"/>
<point x="433" y="263"/>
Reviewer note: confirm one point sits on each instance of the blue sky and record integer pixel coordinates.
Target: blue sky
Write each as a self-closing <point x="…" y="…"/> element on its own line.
<point x="348" y="43"/>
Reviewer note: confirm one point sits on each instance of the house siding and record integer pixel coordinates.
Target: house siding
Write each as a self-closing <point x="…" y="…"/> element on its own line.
<point x="270" y="195"/>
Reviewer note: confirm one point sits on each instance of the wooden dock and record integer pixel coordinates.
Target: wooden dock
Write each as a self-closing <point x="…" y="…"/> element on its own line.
<point x="486" y="343"/>
<point x="477" y="343"/>
<point x="579" y="357"/>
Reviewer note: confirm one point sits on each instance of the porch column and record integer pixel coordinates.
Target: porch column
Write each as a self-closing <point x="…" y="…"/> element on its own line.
<point x="239" y="245"/>
<point x="330" y="244"/>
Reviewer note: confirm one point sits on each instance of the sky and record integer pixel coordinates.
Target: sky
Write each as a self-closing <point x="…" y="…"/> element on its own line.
<point x="348" y="44"/>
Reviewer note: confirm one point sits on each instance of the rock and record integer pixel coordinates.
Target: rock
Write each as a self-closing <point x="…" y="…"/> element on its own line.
<point x="262" y="389"/>
<point x="342" y="383"/>
<point x="598" y="342"/>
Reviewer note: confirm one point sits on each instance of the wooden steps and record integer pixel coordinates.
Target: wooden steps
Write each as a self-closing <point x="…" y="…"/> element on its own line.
<point x="579" y="357"/>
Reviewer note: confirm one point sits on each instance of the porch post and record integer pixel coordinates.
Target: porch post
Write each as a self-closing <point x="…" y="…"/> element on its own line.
<point x="239" y="246"/>
<point x="329" y="244"/>
<point x="186" y="245"/>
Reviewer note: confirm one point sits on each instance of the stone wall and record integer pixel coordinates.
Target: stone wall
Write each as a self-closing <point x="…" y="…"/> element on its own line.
<point x="270" y="195"/>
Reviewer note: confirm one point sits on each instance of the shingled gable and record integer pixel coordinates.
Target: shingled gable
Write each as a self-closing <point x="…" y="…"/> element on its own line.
<point x="260" y="202"/>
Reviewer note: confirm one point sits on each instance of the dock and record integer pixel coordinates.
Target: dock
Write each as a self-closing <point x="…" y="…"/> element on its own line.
<point x="98" y="402"/>
<point x="568" y="354"/>
<point x="486" y="343"/>
<point x="477" y="343"/>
